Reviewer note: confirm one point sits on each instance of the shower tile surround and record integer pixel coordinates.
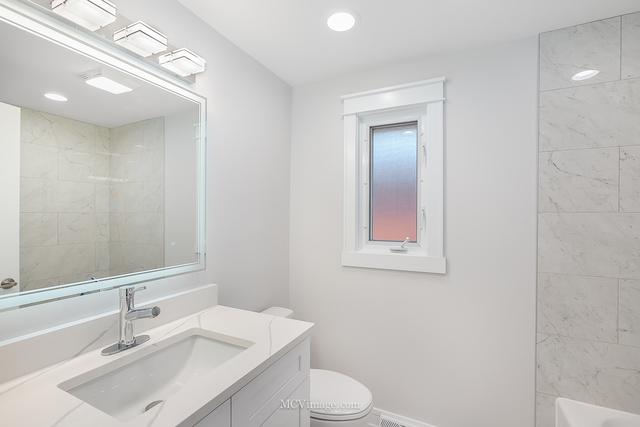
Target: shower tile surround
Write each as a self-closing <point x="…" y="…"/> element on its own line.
<point x="589" y="217"/>
<point x="74" y="224"/>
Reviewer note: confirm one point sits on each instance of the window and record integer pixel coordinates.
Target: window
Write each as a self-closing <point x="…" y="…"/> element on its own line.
<point x="393" y="215"/>
<point x="393" y="174"/>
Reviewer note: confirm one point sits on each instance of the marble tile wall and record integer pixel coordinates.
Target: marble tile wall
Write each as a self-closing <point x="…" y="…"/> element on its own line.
<point x="63" y="205"/>
<point x="136" y="198"/>
<point x="589" y="217"/>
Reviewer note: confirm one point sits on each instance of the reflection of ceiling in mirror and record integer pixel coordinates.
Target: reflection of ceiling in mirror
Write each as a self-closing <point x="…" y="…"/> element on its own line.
<point x="31" y="66"/>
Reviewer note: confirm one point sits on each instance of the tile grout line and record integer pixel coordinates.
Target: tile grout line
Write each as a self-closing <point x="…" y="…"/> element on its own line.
<point x="619" y="175"/>
<point x="618" y="314"/>
<point x="620" y="58"/>
<point x="593" y="84"/>
<point x="589" y="340"/>
<point x="609" y="212"/>
<point x="604" y="147"/>
<point x="588" y="276"/>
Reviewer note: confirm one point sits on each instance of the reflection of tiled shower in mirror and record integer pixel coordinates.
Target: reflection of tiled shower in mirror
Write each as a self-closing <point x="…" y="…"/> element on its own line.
<point x="92" y="199"/>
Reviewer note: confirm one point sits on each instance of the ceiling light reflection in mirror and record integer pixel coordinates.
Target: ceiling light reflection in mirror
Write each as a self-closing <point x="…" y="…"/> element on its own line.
<point x="108" y="85"/>
<point x="55" y="97"/>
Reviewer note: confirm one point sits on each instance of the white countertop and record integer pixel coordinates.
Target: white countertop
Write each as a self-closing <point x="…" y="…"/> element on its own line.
<point x="36" y="400"/>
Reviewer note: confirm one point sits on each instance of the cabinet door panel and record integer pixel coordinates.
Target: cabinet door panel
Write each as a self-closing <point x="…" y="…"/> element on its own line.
<point x="261" y="398"/>
<point x="220" y="417"/>
<point x="296" y="414"/>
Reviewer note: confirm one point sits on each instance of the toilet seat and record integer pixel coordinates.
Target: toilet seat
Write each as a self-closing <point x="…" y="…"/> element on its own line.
<point x="337" y="397"/>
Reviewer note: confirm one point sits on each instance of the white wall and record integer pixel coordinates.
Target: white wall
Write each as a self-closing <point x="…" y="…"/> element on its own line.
<point x="248" y="125"/>
<point x="455" y="350"/>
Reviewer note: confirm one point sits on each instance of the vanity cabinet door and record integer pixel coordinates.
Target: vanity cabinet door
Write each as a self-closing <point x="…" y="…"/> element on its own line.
<point x="296" y="415"/>
<point x="278" y="396"/>
<point x="220" y="417"/>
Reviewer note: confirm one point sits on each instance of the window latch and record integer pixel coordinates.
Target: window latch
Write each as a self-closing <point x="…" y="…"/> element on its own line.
<point x="402" y="248"/>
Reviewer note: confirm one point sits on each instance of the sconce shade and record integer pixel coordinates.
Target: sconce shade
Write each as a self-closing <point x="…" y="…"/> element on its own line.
<point x="91" y="14"/>
<point x="183" y="62"/>
<point x="141" y="39"/>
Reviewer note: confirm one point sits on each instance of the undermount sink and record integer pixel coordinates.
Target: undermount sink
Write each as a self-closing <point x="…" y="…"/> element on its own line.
<point x="135" y="383"/>
<point x="570" y="413"/>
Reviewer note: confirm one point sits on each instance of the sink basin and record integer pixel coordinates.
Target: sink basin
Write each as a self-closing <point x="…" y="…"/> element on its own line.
<point x="135" y="383"/>
<point x="570" y="413"/>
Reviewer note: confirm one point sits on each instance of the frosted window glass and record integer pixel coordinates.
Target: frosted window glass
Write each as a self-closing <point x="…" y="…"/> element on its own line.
<point x="393" y="182"/>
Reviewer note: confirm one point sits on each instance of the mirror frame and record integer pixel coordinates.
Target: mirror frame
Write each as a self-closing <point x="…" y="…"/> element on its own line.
<point x="38" y="21"/>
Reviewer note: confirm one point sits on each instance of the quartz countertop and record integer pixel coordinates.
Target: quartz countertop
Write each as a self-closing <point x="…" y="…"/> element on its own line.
<point x="36" y="400"/>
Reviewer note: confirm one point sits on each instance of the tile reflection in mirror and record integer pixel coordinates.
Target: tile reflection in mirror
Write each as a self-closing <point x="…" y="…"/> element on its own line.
<point x="94" y="193"/>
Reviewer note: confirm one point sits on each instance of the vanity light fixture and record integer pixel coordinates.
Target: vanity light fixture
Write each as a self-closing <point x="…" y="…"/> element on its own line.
<point x="183" y="62"/>
<point x="341" y="21"/>
<point x="91" y="14"/>
<point x="584" y="75"/>
<point x="140" y="38"/>
<point x="55" y="97"/>
<point x="106" y="84"/>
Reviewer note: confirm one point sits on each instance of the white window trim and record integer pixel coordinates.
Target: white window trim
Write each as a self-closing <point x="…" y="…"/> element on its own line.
<point x="421" y="101"/>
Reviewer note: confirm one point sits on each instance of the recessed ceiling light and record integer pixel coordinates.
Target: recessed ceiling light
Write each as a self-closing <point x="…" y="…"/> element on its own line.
<point x="106" y="84"/>
<point x="341" y="21"/>
<point x="585" y="75"/>
<point x="91" y="14"/>
<point x="55" y="97"/>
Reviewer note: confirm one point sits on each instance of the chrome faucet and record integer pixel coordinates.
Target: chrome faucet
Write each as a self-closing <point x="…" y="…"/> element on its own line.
<point x="129" y="313"/>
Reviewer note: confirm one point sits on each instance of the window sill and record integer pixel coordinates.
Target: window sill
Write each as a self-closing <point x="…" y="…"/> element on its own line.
<point x="391" y="261"/>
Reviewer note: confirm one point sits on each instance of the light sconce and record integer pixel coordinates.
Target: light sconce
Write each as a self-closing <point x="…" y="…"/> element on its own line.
<point x="91" y="14"/>
<point x="183" y="62"/>
<point x="141" y="39"/>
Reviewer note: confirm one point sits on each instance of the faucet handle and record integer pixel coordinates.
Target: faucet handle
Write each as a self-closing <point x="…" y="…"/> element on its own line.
<point x="141" y="288"/>
<point x="128" y="292"/>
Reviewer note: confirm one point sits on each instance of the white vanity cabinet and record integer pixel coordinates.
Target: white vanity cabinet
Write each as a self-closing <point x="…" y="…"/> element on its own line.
<point x="277" y="397"/>
<point x="220" y="417"/>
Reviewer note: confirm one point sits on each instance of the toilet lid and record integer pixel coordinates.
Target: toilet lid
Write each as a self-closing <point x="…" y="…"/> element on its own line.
<point x="337" y="397"/>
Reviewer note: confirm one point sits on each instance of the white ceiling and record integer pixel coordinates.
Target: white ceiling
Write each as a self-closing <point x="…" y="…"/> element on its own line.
<point x="31" y="66"/>
<point x="290" y="37"/>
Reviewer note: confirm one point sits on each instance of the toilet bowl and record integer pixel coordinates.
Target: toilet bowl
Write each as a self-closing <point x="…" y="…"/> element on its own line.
<point x="336" y="399"/>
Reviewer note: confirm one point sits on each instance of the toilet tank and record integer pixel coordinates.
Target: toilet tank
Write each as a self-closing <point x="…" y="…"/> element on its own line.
<point x="278" y="311"/>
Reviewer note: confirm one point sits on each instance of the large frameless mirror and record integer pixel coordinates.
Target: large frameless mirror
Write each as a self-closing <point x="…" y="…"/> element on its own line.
<point x="103" y="167"/>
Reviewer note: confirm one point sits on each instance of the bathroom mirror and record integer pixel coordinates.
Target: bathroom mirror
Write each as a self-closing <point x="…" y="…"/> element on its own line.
<point x="103" y="164"/>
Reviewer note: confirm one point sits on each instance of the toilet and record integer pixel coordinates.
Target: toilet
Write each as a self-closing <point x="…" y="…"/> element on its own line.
<point x="336" y="399"/>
